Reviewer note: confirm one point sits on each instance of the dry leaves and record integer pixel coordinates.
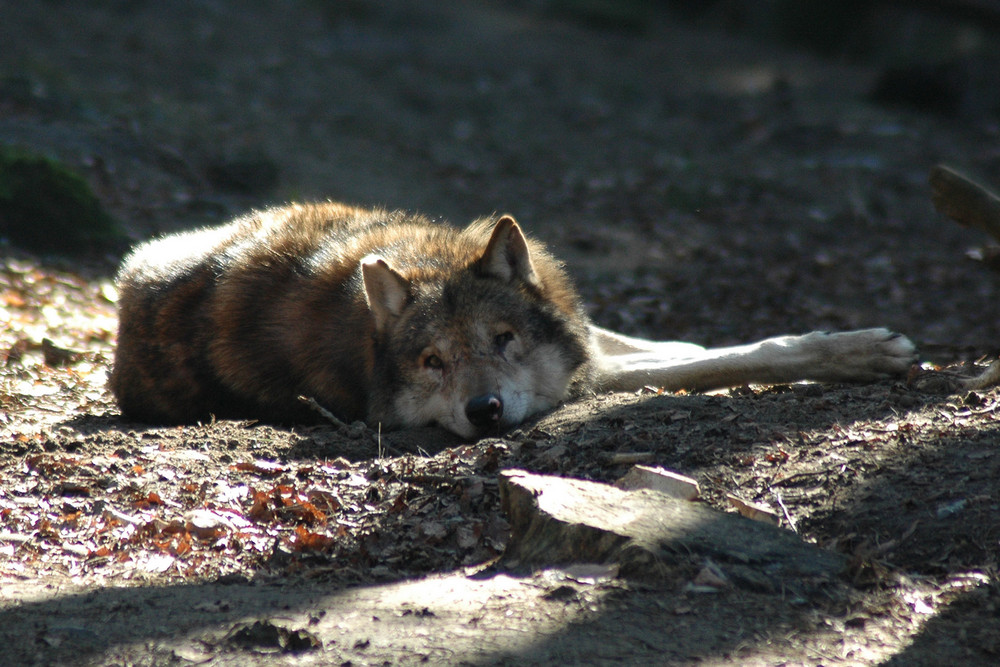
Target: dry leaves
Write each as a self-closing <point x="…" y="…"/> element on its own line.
<point x="162" y="512"/>
<point x="56" y="335"/>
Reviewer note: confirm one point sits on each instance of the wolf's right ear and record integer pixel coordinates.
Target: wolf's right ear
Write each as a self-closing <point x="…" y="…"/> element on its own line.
<point x="386" y="291"/>
<point x="507" y="255"/>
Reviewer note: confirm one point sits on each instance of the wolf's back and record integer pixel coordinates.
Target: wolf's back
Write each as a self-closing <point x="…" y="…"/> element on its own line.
<point x="212" y="321"/>
<point x="239" y="320"/>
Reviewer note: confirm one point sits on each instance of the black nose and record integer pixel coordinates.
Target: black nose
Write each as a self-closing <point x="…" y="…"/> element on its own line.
<point x="484" y="411"/>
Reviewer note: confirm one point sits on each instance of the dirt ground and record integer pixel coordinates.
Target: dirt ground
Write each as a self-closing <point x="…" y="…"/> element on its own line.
<point x="702" y="186"/>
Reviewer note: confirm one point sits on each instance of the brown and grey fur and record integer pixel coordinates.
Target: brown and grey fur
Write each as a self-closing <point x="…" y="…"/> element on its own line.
<point x="344" y="305"/>
<point x="391" y="318"/>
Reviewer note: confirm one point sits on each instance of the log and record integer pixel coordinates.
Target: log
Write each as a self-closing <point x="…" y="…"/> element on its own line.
<point x="649" y="535"/>
<point x="963" y="200"/>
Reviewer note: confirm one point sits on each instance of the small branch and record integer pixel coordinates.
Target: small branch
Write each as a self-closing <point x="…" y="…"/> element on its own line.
<point x="964" y="201"/>
<point x="629" y="458"/>
<point x="949" y="381"/>
<point x="788" y="517"/>
<point x="352" y="431"/>
<point x="797" y="477"/>
<point x="988" y="378"/>
<point x="326" y="414"/>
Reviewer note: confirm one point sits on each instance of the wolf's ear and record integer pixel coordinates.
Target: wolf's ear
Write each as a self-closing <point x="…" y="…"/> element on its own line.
<point x="385" y="290"/>
<point x="506" y="256"/>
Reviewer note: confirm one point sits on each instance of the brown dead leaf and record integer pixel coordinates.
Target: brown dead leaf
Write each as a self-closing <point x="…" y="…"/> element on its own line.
<point x="262" y="468"/>
<point x="261" y="509"/>
<point x="304" y="540"/>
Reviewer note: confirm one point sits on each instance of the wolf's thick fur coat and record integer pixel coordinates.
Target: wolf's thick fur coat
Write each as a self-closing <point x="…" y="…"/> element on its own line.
<point x="389" y="317"/>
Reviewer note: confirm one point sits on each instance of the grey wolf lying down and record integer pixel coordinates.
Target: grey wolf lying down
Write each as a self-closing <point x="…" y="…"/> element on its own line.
<point x="391" y="318"/>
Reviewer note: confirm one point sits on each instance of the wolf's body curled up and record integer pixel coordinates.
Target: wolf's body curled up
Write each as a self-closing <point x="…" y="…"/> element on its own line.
<point x="388" y="317"/>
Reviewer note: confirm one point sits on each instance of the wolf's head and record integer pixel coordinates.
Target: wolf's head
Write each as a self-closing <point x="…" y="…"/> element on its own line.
<point x="476" y="341"/>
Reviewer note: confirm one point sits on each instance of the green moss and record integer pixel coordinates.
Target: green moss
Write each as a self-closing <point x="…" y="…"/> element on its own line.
<point x="44" y="206"/>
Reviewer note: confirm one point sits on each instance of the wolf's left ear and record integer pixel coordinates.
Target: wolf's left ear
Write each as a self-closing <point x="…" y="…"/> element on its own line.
<point x="507" y="256"/>
<point x="386" y="291"/>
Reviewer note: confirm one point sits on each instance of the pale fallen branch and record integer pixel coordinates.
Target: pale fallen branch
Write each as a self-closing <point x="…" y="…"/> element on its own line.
<point x="966" y="202"/>
<point x="952" y="382"/>
<point x="988" y="378"/>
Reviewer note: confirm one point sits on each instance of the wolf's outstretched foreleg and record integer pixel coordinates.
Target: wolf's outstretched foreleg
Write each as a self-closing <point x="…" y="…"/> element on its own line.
<point x="627" y="364"/>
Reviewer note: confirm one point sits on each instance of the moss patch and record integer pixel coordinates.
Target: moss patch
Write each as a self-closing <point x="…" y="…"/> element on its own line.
<point x="44" y="206"/>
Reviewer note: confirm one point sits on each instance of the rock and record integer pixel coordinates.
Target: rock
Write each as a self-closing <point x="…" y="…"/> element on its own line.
<point x="752" y="510"/>
<point x="659" y="479"/>
<point x="649" y="534"/>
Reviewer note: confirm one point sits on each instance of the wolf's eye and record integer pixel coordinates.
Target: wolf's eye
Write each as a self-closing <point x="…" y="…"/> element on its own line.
<point x="433" y="361"/>
<point x="501" y="340"/>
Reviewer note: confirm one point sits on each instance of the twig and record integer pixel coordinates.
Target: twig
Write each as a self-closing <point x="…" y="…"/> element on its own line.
<point x="948" y="381"/>
<point x="431" y="479"/>
<point x="788" y="517"/>
<point x="988" y="378"/>
<point x="326" y="414"/>
<point x="784" y="481"/>
<point x="351" y="430"/>
<point x="625" y="458"/>
<point x="966" y="202"/>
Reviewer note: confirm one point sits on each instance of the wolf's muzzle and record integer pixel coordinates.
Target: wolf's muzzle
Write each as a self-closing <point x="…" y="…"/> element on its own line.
<point x="484" y="411"/>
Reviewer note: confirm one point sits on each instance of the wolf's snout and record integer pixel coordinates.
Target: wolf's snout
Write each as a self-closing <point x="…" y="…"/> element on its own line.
<point x="484" y="411"/>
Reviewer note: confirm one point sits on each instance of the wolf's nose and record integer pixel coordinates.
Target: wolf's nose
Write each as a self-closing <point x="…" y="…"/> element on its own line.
<point x="484" y="411"/>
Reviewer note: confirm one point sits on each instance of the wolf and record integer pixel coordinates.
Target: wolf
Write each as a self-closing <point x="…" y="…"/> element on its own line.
<point x="389" y="317"/>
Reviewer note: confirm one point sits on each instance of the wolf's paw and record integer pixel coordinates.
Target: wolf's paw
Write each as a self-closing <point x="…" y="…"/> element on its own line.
<point x="868" y="354"/>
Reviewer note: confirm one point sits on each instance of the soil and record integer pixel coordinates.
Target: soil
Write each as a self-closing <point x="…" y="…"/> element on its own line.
<point x="701" y="186"/>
